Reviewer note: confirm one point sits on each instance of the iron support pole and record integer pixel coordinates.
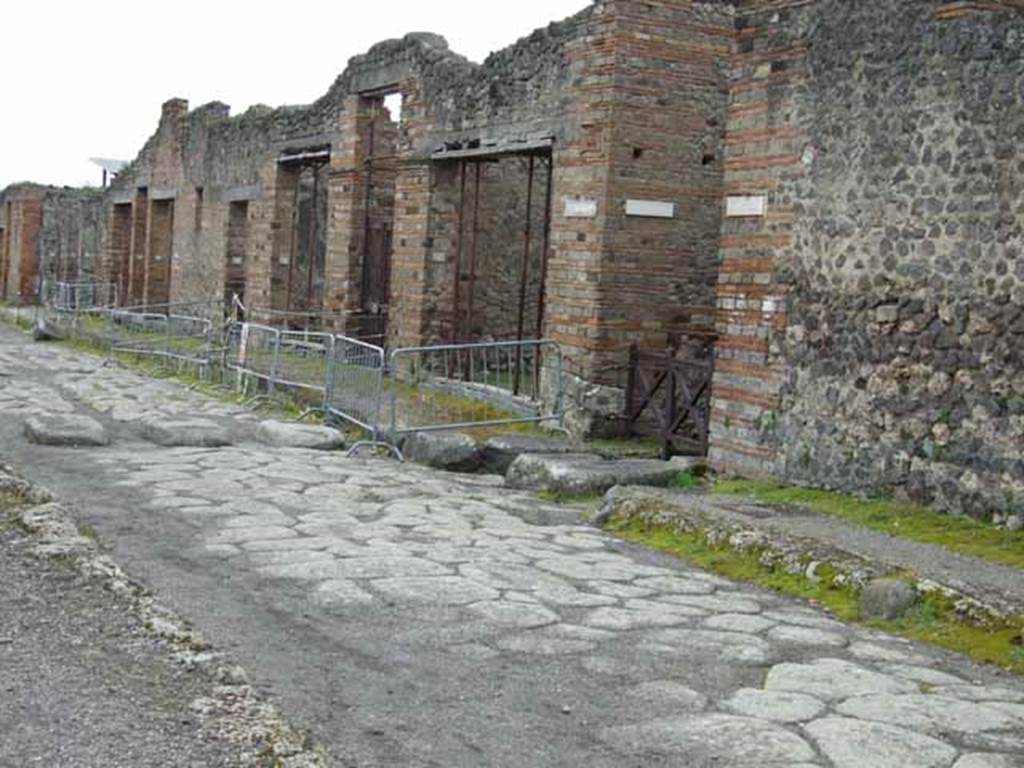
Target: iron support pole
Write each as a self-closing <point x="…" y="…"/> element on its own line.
<point x="524" y="274"/>
<point x="473" y="251"/>
<point x="457" y="292"/>
<point x="542" y="293"/>
<point x="293" y="244"/>
<point x="367" y="200"/>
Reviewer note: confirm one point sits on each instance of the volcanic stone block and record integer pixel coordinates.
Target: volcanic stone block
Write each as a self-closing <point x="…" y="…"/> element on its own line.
<point x="66" y="430"/>
<point x="452" y="451"/>
<point x="579" y="474"/>
<point x="283" y="434"/>
<point x="499" y="452"/>
<point x="193" y="433"/>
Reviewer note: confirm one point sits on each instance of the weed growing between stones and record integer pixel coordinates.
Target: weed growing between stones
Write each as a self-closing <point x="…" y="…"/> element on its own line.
<point x="934" y="620"/>
<point x="685" y="480"/>
<point x="963" y="535"/>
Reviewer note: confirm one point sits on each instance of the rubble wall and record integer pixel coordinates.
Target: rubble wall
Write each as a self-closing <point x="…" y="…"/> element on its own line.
<point x="872" y="321"/>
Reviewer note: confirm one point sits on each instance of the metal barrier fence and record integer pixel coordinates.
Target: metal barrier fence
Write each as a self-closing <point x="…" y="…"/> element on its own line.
<point x="78" y="295"/>
<point x="178" y="340"/>
<point x="364" y="326"/>
<point x="423" y="389"/>
<point x="412" y="389"/>
<point x="158" y="332"/>
<point x="474" y="385"/>
<point x="355" y="388"/>
<point x="297" y="361"/>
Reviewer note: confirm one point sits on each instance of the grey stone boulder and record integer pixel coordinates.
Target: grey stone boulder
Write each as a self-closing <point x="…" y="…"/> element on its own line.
<point x="66" y="430"/>
<point x="284" y="434"/>
<point x="584" y="474"/>
<point x="451" y="451"/>
<point x="186" y="433"/>
<point x="499" y="452"/>
<point x="887" y="599"/>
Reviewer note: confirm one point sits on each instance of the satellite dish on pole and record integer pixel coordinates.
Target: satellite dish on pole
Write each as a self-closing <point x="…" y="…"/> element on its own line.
<point x="111" y="168"/>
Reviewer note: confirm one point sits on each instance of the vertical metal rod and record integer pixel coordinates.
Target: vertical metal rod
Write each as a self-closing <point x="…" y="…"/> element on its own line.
<point x="524" y="272"/>
<point x="474" y="252"/>
<point x="457" y="295"/>
<point x="293" y="242"/>
<point x="311" y="239"/>
<point x="542" y="292"/>
<point x="371" y="150"/>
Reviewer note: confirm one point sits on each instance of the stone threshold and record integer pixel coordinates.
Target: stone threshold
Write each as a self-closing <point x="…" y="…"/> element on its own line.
<point x="801" y="541"/>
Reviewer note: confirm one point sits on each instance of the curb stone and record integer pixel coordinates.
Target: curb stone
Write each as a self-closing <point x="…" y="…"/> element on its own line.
<point x="233" y="710"/>
<point x="799" y="555"/>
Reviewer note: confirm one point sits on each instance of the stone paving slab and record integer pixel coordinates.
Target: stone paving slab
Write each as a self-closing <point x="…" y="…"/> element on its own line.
<point x="413" y="617"/>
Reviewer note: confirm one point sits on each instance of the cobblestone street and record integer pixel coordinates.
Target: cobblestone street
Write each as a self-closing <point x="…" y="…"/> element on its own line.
<point x="409" y="617"/>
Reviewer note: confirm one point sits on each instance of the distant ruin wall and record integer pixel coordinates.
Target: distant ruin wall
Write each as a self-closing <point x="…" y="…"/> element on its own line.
<point x="873" y="321"/>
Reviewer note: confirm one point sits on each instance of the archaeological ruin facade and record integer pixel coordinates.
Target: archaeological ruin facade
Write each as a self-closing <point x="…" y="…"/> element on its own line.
<point x="830" y="192"/>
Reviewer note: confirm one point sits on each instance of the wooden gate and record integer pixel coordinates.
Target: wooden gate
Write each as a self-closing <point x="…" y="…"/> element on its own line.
<point x="668" y="395"/>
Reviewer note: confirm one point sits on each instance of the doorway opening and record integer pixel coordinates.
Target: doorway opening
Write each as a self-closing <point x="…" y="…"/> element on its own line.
<point x="235" y="257"/>
<point x="120" y="249"/>
<point x="298" y="276"/>
<point x="137" y="263"/>
<point x="379" y="129"/>
<point x="161" y="248"/>
<point x="502" y="239"/>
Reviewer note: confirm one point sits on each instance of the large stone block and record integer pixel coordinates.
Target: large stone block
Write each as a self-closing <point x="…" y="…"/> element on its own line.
<point x="283" y="434"/>
<point x="579" y="474"/>
<point x="193" y="433"/>
<point x="887" y="599"/>
<point x="452" y="451"/>
<point x="499" y="452"/>
<point x="66" y="430"/>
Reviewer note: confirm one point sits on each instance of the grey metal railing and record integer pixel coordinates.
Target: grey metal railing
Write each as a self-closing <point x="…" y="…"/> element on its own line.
<point x="355" y="390"/>
<point x="460" y="386"/>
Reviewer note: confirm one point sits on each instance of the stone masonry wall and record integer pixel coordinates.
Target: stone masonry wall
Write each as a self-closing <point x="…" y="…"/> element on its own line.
<point x="873" y="322"/>
<point x="50" y="234"/>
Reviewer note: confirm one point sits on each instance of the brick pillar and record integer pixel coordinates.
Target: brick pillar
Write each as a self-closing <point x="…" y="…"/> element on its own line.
<point x="414" y="248"/>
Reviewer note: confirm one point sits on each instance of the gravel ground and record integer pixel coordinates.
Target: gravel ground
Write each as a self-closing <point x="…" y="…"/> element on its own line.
<point x="81" y="682"/>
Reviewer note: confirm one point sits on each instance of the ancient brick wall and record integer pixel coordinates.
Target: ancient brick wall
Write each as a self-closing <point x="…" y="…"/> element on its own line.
<point x="23" y="220"/>
<point x="873" y="321"/>
<point x="651" y="97"/>
<point x="71" y="238"/>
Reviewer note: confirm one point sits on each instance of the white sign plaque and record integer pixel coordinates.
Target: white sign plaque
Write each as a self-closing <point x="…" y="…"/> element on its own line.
<point x="746" y="205"/>
<point x="580" y="209"/>
<point x="655" y="209"/>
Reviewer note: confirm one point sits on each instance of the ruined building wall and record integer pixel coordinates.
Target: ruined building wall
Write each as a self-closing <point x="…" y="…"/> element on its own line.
<point x="71" y="235"/>
<point x="521" y="94"/>
<point x="49" y="234"/>
<point x="654" y="96"/>
<point x="872" y="322"/>
<point x="23" y="219"/>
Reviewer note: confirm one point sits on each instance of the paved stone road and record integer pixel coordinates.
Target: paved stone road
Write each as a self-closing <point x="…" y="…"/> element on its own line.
<point x="414" y="618"/>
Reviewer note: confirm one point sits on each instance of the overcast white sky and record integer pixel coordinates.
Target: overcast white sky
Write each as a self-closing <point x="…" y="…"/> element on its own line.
<point x="86" y="79"/>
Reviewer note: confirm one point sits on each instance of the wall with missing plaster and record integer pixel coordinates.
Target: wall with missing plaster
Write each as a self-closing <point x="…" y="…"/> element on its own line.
<point x="871" y="322"/>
